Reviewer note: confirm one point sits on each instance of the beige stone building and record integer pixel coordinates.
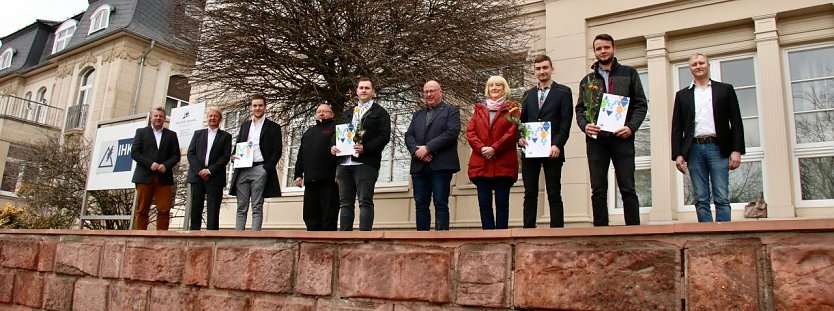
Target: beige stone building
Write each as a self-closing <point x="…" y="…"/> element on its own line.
<point x="115" y="59"/>
<point x="779" y="55"/>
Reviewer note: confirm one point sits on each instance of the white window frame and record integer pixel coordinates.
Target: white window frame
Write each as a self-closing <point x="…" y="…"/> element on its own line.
<point x="640" y="163"/>
<point x="6" y="58"/>
<point x="296" y="125"/>
<point x="752" y="154"/>
<point x="804" y="150"/>
<point x="63" y="35"/>
<point x="100" y="19"/>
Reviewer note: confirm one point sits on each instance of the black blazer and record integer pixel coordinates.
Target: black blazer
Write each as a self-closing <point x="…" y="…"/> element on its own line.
<point x="557" y="108"/>
<point x="221" y="151"/>
<point x="726" y="113"/>
<point x="145" y="153"/>
<point x="377" y="125"/>
<point x="440" y="136"/>
<point x="271" y="148"/>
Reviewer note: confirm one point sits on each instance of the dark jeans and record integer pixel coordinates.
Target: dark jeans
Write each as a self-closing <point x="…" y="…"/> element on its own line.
<point x="707" y="166"/>
<point x="530" y="169"/>
<point x="601" y="152"/>
<point x="212" y="195"/>
<point x="321" y="205"/>
<point x="500" y="186"/>
<point x="430" y="184"/>
<point x="356" y="180"/>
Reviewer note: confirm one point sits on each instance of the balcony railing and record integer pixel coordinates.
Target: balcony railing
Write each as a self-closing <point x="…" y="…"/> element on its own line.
<point x="76" y="115"/>
<point x="26" y="110"/>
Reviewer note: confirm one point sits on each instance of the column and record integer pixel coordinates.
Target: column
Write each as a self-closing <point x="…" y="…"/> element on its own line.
<point x="664" y="180"/>
<point x="774" y="114"/>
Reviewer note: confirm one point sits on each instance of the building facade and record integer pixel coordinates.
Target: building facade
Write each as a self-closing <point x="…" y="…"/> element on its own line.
<point x="779" y="56"/>
<point x="115" y="59"/>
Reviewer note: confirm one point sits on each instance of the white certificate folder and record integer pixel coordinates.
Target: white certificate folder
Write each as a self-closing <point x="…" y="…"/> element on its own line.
<point x="612" y="112"/>
<point x="245" y="153"/>
<point x="539" y="139"/>
<point x="344" y="139"/>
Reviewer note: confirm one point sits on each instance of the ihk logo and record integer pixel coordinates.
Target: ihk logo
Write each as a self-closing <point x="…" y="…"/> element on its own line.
<point x="116" y="156"/>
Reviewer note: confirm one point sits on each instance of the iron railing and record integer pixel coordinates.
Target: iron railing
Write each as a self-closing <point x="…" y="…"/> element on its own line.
<point x="76" y="115"/>
<point x="26" y="110"/>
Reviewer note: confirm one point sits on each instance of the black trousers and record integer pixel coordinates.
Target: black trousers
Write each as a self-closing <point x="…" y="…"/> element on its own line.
<point x="530" y="169"/>
<point x="212" y="195"/>
<point x="601" y="152"/>
<point x="321" y="205"/>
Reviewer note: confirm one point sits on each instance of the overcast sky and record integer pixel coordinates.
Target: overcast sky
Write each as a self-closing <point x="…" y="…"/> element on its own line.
<point x="17" y="14"/>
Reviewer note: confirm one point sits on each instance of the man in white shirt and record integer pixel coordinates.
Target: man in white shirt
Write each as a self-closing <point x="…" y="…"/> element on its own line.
<point x="707" y="138"/>
<point x="156" y="151"/>
<point x="253" y="184"/>
<point x="357" y="174"/>
<point x="208" y="155"/>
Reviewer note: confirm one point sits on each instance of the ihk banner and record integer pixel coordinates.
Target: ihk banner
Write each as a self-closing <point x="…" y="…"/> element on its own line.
<point x="111" y="166"/>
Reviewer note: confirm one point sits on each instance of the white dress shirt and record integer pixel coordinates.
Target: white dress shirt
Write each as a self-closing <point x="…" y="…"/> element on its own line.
<point x="255" y="138"/>
<point x="157" y="134"/>
<point x="704" y="119"/>
<point x="212" y="133"/>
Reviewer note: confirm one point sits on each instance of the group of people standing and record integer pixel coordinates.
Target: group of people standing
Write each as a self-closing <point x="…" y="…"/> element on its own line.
<point x="707" y="140"/>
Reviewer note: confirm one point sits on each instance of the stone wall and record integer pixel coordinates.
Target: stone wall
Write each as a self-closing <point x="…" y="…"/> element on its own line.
<point x="764" y="265"/>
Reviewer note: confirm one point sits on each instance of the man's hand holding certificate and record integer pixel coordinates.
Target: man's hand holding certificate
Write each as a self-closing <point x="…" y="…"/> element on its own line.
<point x="344" y="140"/>
<point x="244" y="154"/>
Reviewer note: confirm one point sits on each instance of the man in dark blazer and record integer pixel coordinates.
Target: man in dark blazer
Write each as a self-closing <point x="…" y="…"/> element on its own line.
<point x="548" y="101"/>
<point x="253" y="184"/>
<point x="432" y="141"/>
<point x="707" y="138"/>
<point x="156" y="151"/>
<point x="357" y="174"/>
<point x="208" y="154"/>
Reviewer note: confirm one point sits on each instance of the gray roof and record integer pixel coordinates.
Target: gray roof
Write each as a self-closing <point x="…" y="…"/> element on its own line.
<point x="145" y="18"/>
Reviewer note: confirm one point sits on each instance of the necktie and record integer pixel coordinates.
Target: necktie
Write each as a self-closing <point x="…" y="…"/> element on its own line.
<point x="542" y="95"/>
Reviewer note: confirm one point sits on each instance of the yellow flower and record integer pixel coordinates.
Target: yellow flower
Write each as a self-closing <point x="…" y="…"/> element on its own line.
<point x="513" y="109"/>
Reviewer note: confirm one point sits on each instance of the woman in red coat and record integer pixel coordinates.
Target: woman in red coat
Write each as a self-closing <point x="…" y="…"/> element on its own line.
<point x="493" y="166"/>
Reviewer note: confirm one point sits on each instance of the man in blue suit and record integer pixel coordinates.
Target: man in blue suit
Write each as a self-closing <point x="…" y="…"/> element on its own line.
<point x="432" y="141"/>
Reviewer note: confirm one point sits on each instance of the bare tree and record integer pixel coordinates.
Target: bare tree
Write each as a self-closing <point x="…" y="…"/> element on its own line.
<point x="54" y="184"/>
<point x="299" y="53"/>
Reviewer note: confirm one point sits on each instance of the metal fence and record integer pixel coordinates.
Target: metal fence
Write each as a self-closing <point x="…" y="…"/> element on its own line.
<point x="26" y="110"/>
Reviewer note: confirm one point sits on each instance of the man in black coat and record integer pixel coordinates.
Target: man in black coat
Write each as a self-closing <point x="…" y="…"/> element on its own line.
<point x="261" y="180"/>
<point x="604" y="148"/>
<point x="432" y="141"/>
<point x="156" y="151"/>
<point x="707" y="138"/>
<point x="357" y="174"/>
<point x="315" y="169"/>
<point x="548" y="101"/>
<point x="208" y="154"/>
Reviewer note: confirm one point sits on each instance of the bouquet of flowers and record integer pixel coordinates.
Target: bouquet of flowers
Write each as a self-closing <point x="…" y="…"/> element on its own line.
<point x="514" y="116"/>
<point x="591" y="97"/>
<point x="359" y="131"/>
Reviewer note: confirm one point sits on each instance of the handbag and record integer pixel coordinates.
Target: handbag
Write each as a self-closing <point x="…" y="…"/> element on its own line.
<point x="756" y="209"/>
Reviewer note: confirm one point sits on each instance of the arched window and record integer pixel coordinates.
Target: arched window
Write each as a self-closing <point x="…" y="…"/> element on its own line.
<point x="41" y="95"/>
<point x="100" y="18"/>
<point x="179" y="90"/>
<point x="6" y="58"/>
<point x="63" y="35"/>
<point x="77" y="113"/>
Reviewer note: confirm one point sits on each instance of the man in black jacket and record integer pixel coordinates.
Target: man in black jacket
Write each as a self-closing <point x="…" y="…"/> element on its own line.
<point x="357" y="174"/>
<point x="156" y="151"/>
<point x="261" y="180"/>
<point x="208" y="155"/>
<point x="707" y="138"/>
<point x="618" y="146"/>
<point x="548" y="101"/>
<point x="315" y="168"/>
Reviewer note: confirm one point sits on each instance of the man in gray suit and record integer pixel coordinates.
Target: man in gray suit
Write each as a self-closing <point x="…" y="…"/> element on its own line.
<point x="432" y="141"/>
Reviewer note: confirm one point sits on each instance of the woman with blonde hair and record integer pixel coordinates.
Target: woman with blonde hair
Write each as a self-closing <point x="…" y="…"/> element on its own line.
<point x="493" y="166"/>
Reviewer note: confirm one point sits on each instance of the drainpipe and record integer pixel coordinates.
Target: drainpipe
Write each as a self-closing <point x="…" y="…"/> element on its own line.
<point x="139" y="77"/>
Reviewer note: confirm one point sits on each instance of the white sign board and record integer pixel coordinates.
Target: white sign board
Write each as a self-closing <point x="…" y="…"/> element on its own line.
<point x="111" y="166"/>
<point x="186" y="120"/>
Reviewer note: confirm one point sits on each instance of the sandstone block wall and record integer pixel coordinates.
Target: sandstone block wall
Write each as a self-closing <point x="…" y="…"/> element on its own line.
<point x="650" y="268"/>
